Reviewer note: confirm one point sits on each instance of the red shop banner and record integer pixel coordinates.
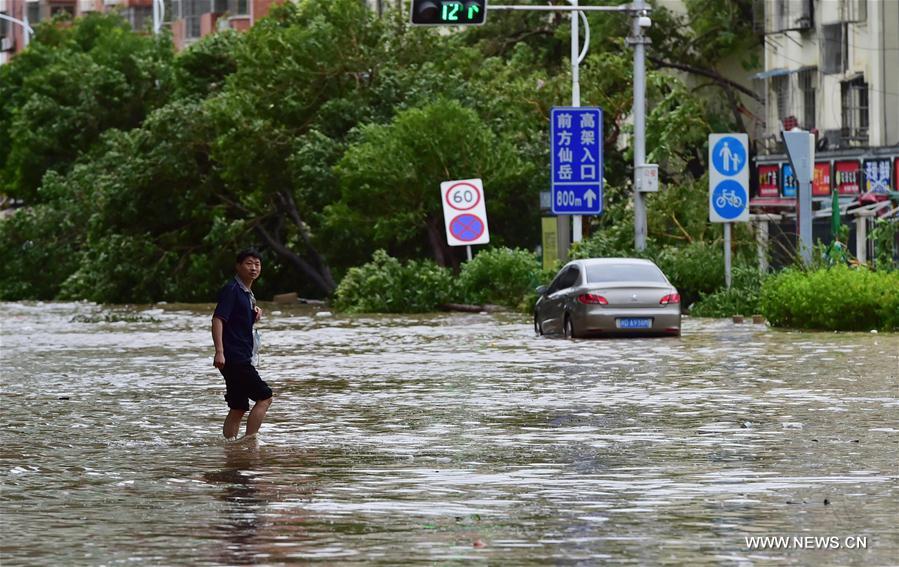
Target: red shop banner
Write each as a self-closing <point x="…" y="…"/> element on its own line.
<point x="821" y="179"/>
<point x="847" y="176"/>
<point x="769" y="181"/>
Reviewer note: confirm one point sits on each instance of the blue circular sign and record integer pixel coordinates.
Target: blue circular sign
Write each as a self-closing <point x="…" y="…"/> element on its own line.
<point x="729" y="199"/>
<point x="467" y="228"/>
<point x="729" y="156"/>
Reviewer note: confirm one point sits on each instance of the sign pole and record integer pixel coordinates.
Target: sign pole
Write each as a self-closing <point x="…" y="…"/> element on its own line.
<point x="577" y="229"/>
<point x="468" y="252"/>
<point x="727" y="261"/>
<point x="639" y="42"/>
<point x="801" y="152"/>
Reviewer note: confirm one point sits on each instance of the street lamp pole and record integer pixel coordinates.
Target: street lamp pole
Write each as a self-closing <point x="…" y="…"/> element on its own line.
<point x="158" y="15"/>
<point x="639" y="41"/>
<point x="27" y="31"/>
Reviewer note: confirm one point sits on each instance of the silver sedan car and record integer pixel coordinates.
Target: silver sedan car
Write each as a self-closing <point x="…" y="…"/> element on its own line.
<point x="608" y="296"/>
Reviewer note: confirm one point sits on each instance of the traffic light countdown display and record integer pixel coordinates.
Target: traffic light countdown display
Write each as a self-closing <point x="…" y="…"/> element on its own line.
<point x="449" y="12"/>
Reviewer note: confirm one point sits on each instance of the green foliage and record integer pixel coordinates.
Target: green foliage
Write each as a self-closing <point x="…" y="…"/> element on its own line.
<point x="390" y="180"/>
<point x="323" y="133"/>
<point x="500" y="276"/>
<point x="885" y="236"/>
<point x="40" y="248"/>
<point x="203" y="68"/>
<point x="838" y="298"/>
<point x="72" y="84"/>
<point x="741" y="299"/>
<point x="385" y="285"/>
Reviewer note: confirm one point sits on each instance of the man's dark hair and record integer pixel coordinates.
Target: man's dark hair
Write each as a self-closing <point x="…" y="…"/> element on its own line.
<point x="248" y="253"/>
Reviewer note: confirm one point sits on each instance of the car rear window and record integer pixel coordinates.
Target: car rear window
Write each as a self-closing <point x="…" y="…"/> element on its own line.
<point x="600" y="273"/>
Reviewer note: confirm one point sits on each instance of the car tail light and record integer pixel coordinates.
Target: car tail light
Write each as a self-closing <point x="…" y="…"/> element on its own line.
<point x="592" y="299"/>
<point x="670" y="298"/>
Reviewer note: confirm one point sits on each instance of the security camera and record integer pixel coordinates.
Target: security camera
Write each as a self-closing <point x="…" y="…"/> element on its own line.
<point x="644" y="21"/>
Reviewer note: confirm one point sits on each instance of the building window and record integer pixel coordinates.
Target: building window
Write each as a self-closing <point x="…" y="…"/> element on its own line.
<point x="781" y="89"/>
<point x="808" y="79"/>
<point x="34" y="12"/>
<point x="239" y="7"/>
<point x="141" y="19"/>
<point x="833" y="48"/>
<point x="855" y="111"/>
<point x="191" y="10"/>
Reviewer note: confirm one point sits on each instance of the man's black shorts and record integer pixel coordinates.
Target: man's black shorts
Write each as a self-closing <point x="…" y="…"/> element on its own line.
<point x="243" y="384"/>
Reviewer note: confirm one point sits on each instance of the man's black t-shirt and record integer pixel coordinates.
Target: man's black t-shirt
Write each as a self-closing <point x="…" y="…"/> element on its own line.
<point x="235" y="309"/>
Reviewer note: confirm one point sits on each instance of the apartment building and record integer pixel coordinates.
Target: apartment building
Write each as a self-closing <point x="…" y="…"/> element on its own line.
<point x="832" y="68"/>
<point x="188" y="19"/>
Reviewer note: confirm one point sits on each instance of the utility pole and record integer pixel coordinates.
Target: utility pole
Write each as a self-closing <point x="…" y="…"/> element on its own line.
<point x="639" y="41"/>
<point x="577" y="227"/>
<point x="158" y="15"/>
<point x="639" y="12"/>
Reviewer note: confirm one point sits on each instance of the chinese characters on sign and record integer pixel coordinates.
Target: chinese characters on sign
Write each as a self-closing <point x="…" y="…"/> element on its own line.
<point x="877" y="175"/>
<point x="769" y="181"/>
<point x="821" y="179"/>
<point x="576" y="148"/>
<point x="846" y="174"/>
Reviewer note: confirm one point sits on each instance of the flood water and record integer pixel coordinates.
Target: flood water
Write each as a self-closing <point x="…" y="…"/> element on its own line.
<point x="442" y="439"/>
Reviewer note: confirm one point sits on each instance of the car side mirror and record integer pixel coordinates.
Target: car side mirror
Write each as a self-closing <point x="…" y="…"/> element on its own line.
<point x="542" y="290"/>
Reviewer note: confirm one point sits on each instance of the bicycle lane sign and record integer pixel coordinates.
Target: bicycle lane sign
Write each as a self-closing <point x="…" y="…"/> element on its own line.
<point x="728" y="178"/>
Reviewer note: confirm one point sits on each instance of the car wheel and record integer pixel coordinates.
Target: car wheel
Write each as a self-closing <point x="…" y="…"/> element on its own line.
<point x="538" y="329"/>
<point x="568" y="328"/>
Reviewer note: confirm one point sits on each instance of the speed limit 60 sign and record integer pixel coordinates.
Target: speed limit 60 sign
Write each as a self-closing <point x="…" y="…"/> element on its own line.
<point x="464" y="212"/>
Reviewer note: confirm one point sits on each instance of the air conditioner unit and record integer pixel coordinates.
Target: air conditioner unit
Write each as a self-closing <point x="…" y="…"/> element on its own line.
<point x="853" y="11"/>
<point x="6" y="44"/>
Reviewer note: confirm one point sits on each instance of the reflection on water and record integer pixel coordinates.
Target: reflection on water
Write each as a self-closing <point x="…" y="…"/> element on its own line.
<point x="441" y="438"/>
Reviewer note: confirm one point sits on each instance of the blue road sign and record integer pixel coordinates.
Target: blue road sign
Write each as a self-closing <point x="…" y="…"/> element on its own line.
<point x="790" y="184"/>
<point x="467" y="228"/>
<point x="729" y="199"/>
<point x="576" y="157"/>
<point x="729" y="156"/>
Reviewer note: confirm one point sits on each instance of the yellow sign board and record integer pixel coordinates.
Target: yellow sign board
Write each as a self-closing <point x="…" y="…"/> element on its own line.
<point x="550" y="242"/>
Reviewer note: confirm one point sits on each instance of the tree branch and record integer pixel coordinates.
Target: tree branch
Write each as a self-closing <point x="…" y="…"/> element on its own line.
<point x="711" y="74"/>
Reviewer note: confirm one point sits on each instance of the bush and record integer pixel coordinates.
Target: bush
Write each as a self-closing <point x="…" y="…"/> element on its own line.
<point x="741" y="299"/>
<point x="838" y="298"/>
<point x="385" y="285"/>
<point x="501" y="276"/>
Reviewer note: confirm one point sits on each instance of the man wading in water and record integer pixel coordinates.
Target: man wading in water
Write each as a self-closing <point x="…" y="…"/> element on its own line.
<point x="236" y="349"/>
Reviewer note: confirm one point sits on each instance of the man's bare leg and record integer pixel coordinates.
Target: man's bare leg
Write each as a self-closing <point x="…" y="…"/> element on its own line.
<point x="257" y="414"/>
<point x="232" y="423"/>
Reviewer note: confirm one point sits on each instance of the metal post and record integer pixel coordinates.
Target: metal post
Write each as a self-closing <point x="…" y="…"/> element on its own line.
<point x="861" y="238"/>
<point x="639" y="124"/>
<point x="158" y="15"/>
<point x="576" y="220"/>
<point x="468" y="252"/>
<point x="804" y="212"/>
<point x="26" y="27"/>
<point x="761" y="240"/>
<point x="727" y="276"/>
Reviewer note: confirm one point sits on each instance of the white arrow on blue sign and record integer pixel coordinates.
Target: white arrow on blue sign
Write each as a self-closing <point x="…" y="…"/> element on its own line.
<point x="576" y="148"/>
<point x="728" y="178"/>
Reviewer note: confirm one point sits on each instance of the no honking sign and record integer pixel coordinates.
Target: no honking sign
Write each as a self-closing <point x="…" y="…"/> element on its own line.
<point x="464" y="212"/>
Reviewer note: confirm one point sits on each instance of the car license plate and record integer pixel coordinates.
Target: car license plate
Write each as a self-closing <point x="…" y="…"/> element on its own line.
<point x="634" y="323"/>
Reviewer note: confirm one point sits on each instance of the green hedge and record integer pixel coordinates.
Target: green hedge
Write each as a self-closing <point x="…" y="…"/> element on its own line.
<point x="385" y="285"/>
<point x="741" y="299"/>
<point x="838" y="298"/>
<point x="501" y="276"/>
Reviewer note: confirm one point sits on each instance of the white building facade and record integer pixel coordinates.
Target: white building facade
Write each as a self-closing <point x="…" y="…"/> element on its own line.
<point x="832" y="68"/>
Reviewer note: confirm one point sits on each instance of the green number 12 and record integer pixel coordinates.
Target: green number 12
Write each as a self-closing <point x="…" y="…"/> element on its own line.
<point x="451" y="11"/>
